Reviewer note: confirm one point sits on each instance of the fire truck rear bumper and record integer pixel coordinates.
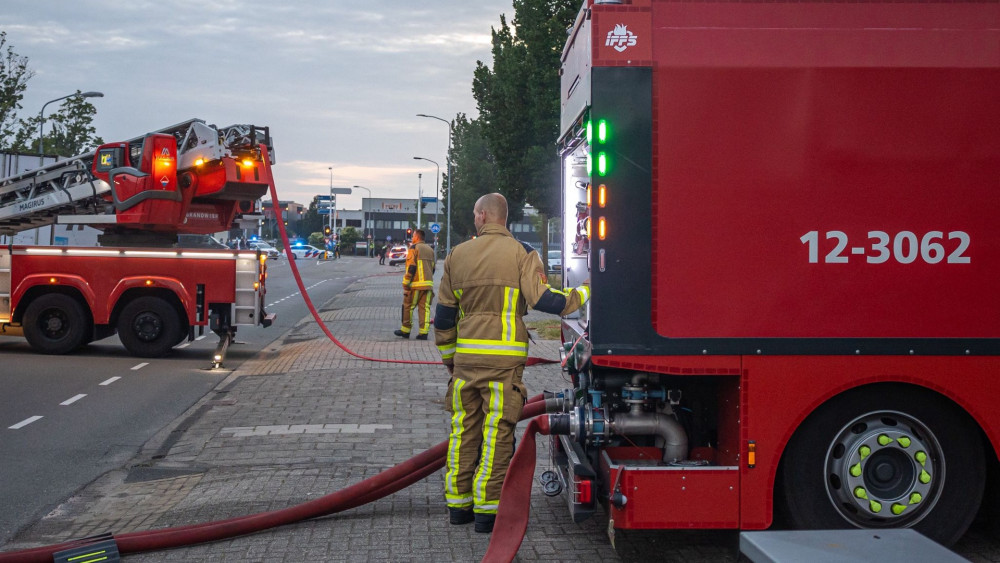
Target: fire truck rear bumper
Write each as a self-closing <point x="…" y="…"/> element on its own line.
<point x="576" y="476"/>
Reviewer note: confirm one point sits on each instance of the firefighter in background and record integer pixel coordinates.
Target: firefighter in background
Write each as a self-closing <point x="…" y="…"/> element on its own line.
<point x="418" y="287"/>
<point x="478" y="327"/>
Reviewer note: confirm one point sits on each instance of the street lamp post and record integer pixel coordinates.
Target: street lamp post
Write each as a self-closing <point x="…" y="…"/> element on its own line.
<point x="333" y="204"/>
<point x="437" y="191"/>
<point x="41" y="121"/>
<point x="448" y="156"/>
<point x="364" y="217"/>
<point x="420" y="196"/>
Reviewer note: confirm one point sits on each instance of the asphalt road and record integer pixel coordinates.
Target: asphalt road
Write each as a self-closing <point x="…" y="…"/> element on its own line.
<point x="65" y="420"/>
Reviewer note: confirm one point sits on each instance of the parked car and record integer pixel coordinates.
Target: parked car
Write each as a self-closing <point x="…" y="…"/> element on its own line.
<point x="306" y="251"/>
<point x="262" y="246"/>
<point x="555" y="261"/>
<point x="397" y="255"/>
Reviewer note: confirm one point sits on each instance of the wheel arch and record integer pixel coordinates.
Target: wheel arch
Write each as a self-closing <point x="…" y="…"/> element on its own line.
<point x="880" y="388"/>
<point x="30" y="294"/>
<point x="132" y="294"/>
<point x="991" y="447"/>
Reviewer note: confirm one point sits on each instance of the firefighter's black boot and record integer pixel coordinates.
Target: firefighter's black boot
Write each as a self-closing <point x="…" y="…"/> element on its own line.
<point x="460" y="516"/>
<point x="401" y="334"/>
<point x="421" y="337"/>
<point x="484" y="523"/>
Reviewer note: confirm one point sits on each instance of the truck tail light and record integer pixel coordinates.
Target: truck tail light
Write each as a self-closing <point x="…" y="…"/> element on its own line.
<point x="602" y="195"/>
<point x="590" y="195"/>
<point x="583" y="490"/>
<point x="602" y="228"/>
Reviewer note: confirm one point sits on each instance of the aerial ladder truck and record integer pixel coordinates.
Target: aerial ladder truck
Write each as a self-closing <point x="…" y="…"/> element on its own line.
<point x="189" y="178"/>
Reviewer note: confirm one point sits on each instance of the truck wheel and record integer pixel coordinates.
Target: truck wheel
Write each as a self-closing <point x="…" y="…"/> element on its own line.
<point x="55" y="324"/>
<point x="885" y="457"/>
<point x="149" y="327"/>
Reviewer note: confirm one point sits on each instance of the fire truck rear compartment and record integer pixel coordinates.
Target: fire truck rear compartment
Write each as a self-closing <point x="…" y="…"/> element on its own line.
<point x="650" y="441"/>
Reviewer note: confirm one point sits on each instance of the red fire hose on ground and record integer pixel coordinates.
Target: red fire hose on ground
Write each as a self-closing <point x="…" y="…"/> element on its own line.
<point x="512" y="518"/>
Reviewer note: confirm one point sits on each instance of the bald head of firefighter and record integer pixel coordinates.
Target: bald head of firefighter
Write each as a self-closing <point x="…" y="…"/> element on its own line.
<point x="418" y="287"/>
<point x="487" y="286"/>
<point x="490" y="209"/>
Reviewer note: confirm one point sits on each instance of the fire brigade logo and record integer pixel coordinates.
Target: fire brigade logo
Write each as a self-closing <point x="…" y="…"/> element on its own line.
<point x="620" y="38"/>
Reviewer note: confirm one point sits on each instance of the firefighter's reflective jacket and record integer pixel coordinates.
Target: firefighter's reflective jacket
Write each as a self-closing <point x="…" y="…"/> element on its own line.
<point x="487" y="285"/>
<point x="419" y="267"/>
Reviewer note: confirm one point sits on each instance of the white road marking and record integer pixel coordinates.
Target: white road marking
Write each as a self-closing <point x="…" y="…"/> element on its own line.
<point x="291" y="429"/>
<point x="110" y="381"/>
<point x="72" y="400"/>
<point x="140" y="366"/>
<point x="185" y="345"/>
<point x="24" y="423"/>
<point x="202" y="337"/>
<point x="297" y="293"/>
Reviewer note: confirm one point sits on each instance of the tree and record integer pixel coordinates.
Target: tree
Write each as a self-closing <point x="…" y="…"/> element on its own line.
<point x="14" y="76"/>
<point x="474" y="173"/>
<point x="71" y="129"/>
<point x="68" y="131"/>
<point x="348" y="236"/>
<point x="518" y="102"/>
<point x="312" y="221"/>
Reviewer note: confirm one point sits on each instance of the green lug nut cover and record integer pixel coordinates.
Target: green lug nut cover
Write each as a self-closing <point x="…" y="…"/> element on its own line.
<point x="925" y="477"/>
<point x="865" y="451"/>
<point x="875" y="506"/>
<point x="856" y="470"/>
<point x="915" y="498"/>
<point x="904" y="441"/>
<point x="897" y="508"/>
<point x="860" y="493"/>
<point x="921" y="457"/>
<point x="884" y="440"/>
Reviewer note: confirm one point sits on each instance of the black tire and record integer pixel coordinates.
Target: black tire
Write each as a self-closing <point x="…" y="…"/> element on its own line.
<point x="149" y="327"/>
<point x="56" y="324"/>
<point x="856" y="463"/>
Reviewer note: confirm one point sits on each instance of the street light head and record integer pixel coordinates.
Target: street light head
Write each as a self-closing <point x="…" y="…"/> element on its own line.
<point x="92" y="95"/>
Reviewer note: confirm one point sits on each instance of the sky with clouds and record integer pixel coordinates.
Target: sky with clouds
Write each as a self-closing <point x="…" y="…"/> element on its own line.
<point x="338" y="82"/>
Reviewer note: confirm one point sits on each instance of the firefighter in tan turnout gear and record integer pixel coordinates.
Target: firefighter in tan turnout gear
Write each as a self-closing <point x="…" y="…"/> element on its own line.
<point x="487" y="285"/>
<point x="418" y="286"/>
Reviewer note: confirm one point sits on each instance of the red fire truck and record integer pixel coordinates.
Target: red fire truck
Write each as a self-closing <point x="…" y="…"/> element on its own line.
<point x="187" y="178"/>
<point x="788" y="214"/>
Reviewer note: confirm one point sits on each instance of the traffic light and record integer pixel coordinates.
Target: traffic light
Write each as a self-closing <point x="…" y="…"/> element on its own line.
<point x="326" y="231"/>
<point x="409" y="233"/>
